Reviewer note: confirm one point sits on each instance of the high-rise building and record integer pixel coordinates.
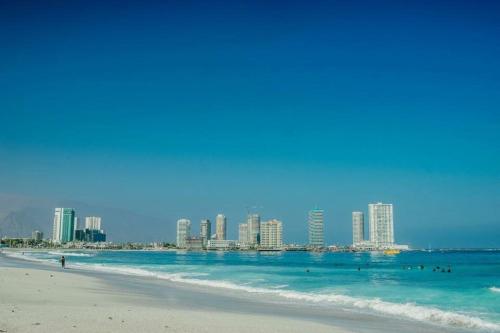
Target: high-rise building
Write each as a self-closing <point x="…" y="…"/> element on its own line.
<point x="91" y="232"/>
<point x="205" y="231"/>
<point x="253" y="225"/>
<point x="64" y="226"/>
<point x="243" y="234"/>
<point x="271" y="234"/>
<point x="381" y="224"/>
<point x="358" y="227"/>
<point x="93" y="223"/>
<point x="316" y="233"/>
<point x="220" y="227"/>
<point x="183" y="232"/>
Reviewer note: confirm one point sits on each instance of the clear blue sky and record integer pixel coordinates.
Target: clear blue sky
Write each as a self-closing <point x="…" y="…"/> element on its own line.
<point x="187" y="109"/>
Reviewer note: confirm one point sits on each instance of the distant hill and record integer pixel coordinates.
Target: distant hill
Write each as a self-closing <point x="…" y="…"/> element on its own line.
<point x="20" y="216"/>
<point x="22" y="222"/>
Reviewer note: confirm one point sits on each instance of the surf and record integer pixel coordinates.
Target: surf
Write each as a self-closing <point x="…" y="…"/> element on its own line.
<point x="408" y="310"/>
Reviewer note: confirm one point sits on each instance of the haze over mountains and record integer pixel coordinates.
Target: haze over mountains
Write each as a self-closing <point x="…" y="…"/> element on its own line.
<point x="19" y="216"/>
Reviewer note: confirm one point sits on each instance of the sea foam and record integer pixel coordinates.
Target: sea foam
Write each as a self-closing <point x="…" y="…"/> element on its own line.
<point x="28" y="257"/>
<point x="408" y="310"/>
<point x="71" y="254"/>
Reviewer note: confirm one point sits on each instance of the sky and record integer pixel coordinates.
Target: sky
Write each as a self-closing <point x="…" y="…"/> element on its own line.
<point x="189" y="109"/>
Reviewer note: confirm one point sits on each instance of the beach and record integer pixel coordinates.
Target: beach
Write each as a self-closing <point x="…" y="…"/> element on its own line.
<point x="36" y="297"/>
<point x="34" y="300"/>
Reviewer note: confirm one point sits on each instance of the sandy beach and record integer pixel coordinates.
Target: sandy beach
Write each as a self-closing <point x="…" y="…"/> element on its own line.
<point x="46" y="301"/>
<point x="43" y="298"/>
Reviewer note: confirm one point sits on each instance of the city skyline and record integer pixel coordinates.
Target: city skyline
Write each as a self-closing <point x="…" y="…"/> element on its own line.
<point x="256" y="233"/>
<point x="380" y="228"/>
<point x="180" y="109"/>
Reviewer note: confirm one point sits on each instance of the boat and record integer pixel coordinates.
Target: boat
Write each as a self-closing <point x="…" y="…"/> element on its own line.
<point x="391" y="251"/>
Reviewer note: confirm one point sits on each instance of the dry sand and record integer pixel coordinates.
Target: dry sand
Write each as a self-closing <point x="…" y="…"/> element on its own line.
<point x="37" y="300"/>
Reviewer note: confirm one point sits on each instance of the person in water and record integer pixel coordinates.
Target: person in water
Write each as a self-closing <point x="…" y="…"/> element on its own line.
<point x="63" y="262"/>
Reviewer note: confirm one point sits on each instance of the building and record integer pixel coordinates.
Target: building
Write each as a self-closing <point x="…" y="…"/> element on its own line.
<point x="183" y="232"/>
<point x="205" y="231"/>
<point x="93" y="223"/>
<point x="90" y="235"/>
<point x="220" y="227"/>
<point x="316" y="231"/>
<point x="64" y="226"/>
<point x="358" y="227"/>
<point x="91" y="232"/>
<point x="80" y="235"/>
<point x="223" y="244"/>
<point x="37" y="235"/>
<point x="243" y="234"/>
<point x="194" y="243"/>
<point x="253" y="225"/>
<point x="381" y="225"/>
<point x="365" y="245"/>
<point x="271" y="234"/>
<point x="94" y="236"/>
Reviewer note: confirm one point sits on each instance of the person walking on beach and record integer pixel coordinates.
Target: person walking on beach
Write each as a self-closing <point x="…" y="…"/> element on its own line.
<point x="63" y="262"/>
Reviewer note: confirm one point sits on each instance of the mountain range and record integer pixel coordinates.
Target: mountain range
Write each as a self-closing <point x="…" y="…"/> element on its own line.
<point x="19" y="216"/>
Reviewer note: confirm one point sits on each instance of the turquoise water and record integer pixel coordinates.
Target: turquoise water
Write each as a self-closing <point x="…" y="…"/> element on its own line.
<point x="466" y="297"/>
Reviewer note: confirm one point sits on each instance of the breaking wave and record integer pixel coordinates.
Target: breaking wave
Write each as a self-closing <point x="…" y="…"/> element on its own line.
<point x="407" y="310"/>
<point x="72" y="254"/>
<point x="411" y="311"/>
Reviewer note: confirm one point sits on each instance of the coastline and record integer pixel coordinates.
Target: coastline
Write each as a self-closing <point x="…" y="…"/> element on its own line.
<point x="187" y="308"/>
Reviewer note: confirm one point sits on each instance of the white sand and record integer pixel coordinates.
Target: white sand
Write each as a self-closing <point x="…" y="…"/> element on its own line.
<point x="33" y="300"/>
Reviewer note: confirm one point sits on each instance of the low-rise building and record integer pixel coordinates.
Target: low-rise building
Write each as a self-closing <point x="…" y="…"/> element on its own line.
<point x="194" y="243"/>
<point x="90" y="235"/>
<point x="37" y="235"/>
<point x="222" y="244"/>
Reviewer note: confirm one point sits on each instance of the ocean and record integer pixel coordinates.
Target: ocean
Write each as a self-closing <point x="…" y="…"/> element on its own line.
<point x="464" y="292"/>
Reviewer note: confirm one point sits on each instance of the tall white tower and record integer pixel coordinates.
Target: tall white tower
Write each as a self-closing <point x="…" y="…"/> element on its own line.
<point x="183" y="231"/>
<point x="220" y="227"/>
<point x="93" y="222"/>
<point x="381" y="224"/>
<point x="205" y="231"/>
<point x="243" y="234"/>
<point x="316" y="233"/>
<point x="253" y="225"/>
<point x="358" y="227"/>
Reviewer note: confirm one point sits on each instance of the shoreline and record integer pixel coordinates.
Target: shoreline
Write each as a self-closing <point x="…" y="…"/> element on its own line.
<point x="229" y="306"/>
<point x="47" y="299"/>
